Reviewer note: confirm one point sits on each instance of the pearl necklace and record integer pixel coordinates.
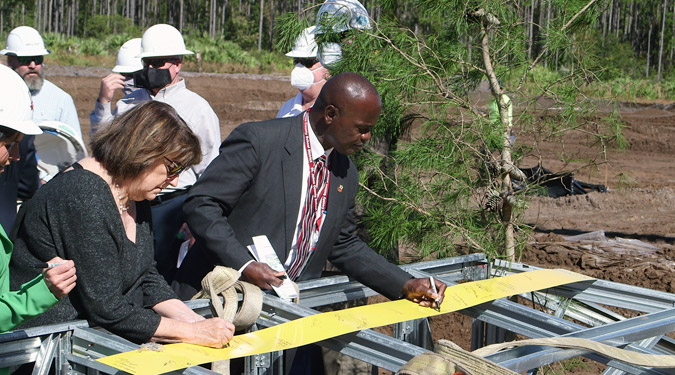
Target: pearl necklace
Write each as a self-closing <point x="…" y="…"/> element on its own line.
<point x="123" y="207"/>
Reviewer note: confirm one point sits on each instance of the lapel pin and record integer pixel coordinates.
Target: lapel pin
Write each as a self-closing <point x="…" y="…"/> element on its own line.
<point x="339" y="189"/>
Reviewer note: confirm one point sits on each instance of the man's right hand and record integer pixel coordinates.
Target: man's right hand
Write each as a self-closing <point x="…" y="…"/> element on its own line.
<point x="109" y="84"/>
<point x="262" y="275"/>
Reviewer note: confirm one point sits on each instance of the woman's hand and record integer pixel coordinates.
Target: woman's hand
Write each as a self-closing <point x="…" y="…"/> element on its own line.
<point x="214" y="333"/>
<point x="61" y="279"/>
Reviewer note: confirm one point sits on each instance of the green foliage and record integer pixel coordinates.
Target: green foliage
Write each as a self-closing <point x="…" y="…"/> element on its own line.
<point x="219" y="50"/>
<point x="101" y="26"/>
<point x="432" y="180"/>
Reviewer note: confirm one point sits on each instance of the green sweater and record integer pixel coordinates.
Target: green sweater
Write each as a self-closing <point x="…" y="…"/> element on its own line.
<point x="32" y="299"/>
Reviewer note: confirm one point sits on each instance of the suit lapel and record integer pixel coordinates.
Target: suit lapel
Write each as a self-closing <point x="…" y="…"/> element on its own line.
<point x="291" y="165"/>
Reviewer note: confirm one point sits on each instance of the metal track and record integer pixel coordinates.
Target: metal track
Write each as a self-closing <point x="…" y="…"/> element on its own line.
<point x="71" y="348"/>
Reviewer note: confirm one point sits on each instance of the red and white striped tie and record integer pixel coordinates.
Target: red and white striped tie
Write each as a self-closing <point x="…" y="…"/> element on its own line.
<point x="315" y="200"/>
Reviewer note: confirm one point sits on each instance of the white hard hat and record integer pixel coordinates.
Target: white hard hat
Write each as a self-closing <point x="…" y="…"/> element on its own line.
<point x="25" y="41"/>
<point x="57" y="148"/>
<point x="162" y="40"/>
<point x="127" y="62"/>
<point x="16" y="105"/>
<point x="305" y="45"/>
<point x="343" y="15"/>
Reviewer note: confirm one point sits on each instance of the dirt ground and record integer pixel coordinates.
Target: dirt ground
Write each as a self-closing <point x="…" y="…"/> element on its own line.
<point x="639" y="203"/>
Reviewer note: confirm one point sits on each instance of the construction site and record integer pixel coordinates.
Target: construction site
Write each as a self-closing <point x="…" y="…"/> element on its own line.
<point x="623" y="238"/>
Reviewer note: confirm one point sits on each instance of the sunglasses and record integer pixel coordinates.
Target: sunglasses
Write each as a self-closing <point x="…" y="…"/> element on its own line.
<point x="11" y="145"/>
<point x="160" y="62"/>
<point x="26" y="60"/>
<point x="173" y="169"/>
<point x="308" y="63"/>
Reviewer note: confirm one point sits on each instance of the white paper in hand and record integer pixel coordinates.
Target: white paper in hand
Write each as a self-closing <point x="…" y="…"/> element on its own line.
<point x="263" y="252"/>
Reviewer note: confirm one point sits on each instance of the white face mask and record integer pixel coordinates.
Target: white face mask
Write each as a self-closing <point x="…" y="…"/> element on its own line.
<point x="330" y="53"/>
<point x="302" y="78"/>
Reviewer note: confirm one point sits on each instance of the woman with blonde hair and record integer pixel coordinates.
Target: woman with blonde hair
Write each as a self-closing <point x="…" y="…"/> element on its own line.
<point x="97" y="213"/>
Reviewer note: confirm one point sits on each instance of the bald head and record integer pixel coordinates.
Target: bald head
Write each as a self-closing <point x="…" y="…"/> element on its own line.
<point x="344" y="89"/>
<point x="345" y="111"/>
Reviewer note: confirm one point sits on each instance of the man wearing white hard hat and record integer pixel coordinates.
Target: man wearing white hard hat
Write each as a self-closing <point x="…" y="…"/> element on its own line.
<point x="121" y="78"/>
<point x="308" y="75"/>
<point x="25" y="51"/>
<point x="43" y="292"/>
<point x="340" y="16"/>
<point x="25" y="54"/>
<point x="162" y="51"/>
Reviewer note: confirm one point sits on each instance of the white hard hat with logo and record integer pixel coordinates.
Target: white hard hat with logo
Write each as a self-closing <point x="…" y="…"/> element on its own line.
<point x="305" y="45"/>
<point x="162" y="40"/>
<point x="343" y="15"/>
<point x="16" y="105"/>
<point x="127" y="62"/>
<point x="25" y="41"/>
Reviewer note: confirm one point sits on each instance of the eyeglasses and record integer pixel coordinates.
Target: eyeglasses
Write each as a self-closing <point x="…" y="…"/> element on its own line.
<point x="26" y="60"/>
<point x="11" y="145"/>
<point x="159" y="62"/>
<point x="173" y="169"/>
<point x="308" y="63"/>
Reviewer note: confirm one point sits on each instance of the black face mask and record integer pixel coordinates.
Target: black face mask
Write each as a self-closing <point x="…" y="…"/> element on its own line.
<point x="152" y="78"/>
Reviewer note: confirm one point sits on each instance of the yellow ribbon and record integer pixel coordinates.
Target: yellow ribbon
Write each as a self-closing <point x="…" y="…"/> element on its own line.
<point x="320" y="327"/>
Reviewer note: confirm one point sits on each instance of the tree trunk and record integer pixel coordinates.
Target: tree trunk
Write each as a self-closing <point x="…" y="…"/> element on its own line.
<point x="180" y="17"/>
<point x="506" y="162"/>
<point x="661" y="42"/>
<point x="212" y="18"/>
<point x="672" y="45"/>
<point x="649" y="40"/>
<point x="51" y="7"/>
<point x="270" y="31"/>
<point x="531" y="29"/>
<point x="224" y="15"/>
<point x="260" y="24"/>
<point x="548" y="26"/>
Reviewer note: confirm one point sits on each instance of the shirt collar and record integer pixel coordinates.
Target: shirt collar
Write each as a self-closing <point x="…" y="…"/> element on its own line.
<point x="168" y="90"/>
<point x="317" y="148"/>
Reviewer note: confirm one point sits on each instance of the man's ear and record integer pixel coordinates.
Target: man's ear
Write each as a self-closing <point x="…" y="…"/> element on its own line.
<point x="330" y="113"/>
<point x="12" y="61"/>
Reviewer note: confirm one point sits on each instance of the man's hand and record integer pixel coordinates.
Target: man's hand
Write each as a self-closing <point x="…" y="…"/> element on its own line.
<point x="109" y="84"/>
<point x="61" y="279"/>
<point x="262" y="275"/>
<point x="420" y="291"/>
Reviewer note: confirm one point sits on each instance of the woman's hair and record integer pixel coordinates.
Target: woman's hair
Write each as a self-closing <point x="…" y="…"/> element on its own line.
<point x="138" y="137"/>
<point x="6" y="132"/>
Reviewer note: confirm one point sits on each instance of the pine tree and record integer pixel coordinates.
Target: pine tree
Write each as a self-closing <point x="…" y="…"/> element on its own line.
<point x="437" y="179"/>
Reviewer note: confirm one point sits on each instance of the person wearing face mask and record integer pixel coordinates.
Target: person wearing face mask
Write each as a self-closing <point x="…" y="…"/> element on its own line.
<point x="341" y="16"/>
<point x="308" y="75"/>
<point x="121" y="78"/>
<point x="162" y="51"/>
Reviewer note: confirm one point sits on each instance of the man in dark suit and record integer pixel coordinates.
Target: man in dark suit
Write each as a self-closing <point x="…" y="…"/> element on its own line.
<point x="259" y="185"/>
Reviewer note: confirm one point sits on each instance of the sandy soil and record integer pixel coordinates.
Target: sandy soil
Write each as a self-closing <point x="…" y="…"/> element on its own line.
<point x="638" y="205"/>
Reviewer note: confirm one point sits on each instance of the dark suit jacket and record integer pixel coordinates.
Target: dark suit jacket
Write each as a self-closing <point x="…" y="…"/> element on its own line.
<point x="253" y="188"/>
<point x="20" y="180"/>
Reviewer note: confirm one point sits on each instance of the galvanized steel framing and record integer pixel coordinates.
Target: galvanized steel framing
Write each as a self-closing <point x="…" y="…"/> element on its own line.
<point x="71" y="348"/>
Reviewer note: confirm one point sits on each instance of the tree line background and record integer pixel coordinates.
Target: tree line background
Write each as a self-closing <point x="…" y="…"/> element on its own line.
<point x="631" y="37"/>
